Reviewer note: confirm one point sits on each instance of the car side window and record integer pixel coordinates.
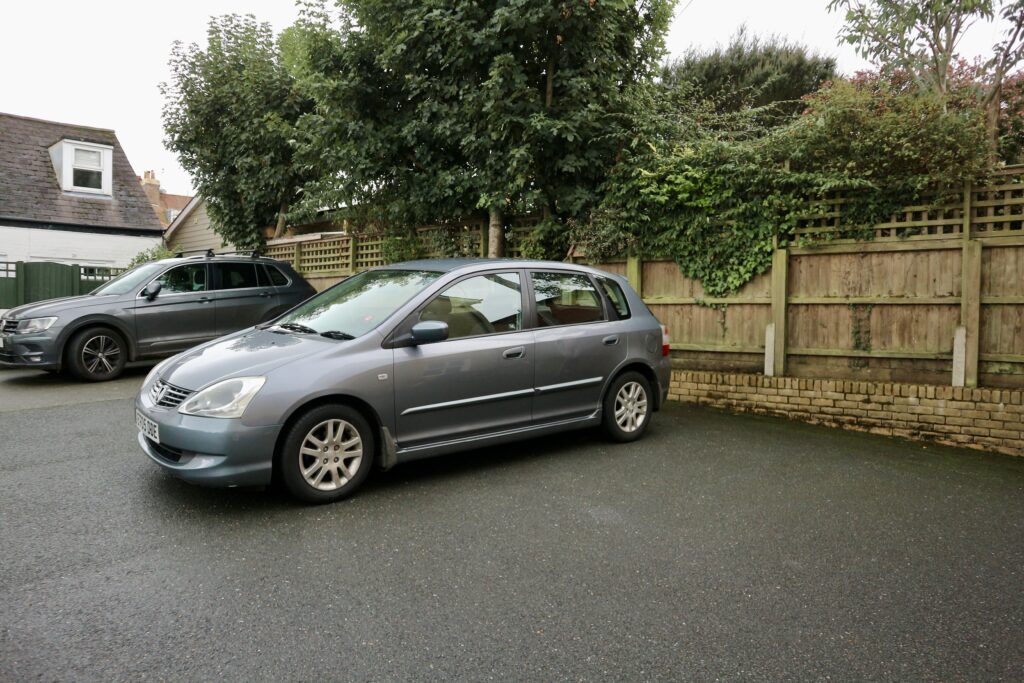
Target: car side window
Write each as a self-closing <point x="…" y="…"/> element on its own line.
<point x="616" y="296"/>
<point x="484" y="304"/>
<point x="181" y="279"/>
<point x="237" y="275"/>
<point x="565" y="299"/>
<point x="277" y="278"/>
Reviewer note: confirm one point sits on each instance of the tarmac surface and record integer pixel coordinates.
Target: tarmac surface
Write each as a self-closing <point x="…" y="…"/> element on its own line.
<point x="718" y="547"/>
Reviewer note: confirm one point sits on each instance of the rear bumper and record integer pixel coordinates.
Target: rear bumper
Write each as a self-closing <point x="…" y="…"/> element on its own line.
<point x="210" y="451"/>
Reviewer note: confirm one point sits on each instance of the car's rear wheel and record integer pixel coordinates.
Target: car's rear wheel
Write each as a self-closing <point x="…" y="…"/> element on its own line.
<point x="96" y="354"/>
<point x="627" y="407"/>
<point x="327" y="454"/>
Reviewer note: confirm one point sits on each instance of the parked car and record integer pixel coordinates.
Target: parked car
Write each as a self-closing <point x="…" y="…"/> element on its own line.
<point x="404" y="362"/>
<point x="154" y="310"/>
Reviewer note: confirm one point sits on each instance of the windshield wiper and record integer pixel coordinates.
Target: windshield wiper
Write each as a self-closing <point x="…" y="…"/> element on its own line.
<point x="336" y="334"/>
<point x="296" y="327"/>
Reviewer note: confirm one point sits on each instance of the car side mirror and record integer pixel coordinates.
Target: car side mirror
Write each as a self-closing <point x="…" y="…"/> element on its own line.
<point x="151" y="290"/>
<point x="428" y="331"/>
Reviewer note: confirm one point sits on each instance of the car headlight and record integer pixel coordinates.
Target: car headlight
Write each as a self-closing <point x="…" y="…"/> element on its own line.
<point x="229" y="398"/>
<point x="156" y="370"/>
<point x="30" y="325"/>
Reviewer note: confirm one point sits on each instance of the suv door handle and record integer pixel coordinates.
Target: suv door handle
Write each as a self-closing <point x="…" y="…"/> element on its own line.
<point x="264" y="294"/>
<point x="516" y="352"/>
<point x="204" y="299"/>
<point x="610" y="340"/>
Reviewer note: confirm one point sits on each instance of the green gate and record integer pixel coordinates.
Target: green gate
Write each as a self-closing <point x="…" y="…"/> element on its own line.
<point x="24" y="282"/>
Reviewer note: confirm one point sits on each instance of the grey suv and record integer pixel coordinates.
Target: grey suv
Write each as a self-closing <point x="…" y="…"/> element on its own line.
<point x="404" y="362"/>
<point x="154" y="310"/>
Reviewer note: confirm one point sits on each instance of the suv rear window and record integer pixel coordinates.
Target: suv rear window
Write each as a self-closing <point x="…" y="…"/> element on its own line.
<point x="237" y="275"/>
<point x="277" y="278"/>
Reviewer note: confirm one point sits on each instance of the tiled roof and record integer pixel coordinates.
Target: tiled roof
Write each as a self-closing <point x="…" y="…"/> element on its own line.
<point x="175" y="201"/>
<point x="30" y="191"/>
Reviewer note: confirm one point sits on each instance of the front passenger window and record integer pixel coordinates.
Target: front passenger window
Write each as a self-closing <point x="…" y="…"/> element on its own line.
<point x="187" y="278"/>
<point x="485" y="304"/>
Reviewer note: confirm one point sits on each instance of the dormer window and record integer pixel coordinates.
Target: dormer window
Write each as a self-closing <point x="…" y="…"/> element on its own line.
<point x="83" y="166"/>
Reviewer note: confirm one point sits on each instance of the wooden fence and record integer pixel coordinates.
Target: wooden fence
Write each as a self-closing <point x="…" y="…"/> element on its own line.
<point x="25" y="282"/>
<point x="937" y="296"/>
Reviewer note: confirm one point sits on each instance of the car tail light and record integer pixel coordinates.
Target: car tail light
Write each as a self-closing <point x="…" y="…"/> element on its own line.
<point x="665" y="343"/>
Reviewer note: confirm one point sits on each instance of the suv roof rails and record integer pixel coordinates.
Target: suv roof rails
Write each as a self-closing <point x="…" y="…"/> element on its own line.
<point x="210" y="253"/>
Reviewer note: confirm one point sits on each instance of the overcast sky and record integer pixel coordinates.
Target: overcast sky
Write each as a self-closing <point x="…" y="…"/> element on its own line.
<point x="99" y="63"/>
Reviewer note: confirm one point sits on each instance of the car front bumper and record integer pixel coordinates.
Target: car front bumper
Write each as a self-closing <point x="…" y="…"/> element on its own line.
<point x="207" y="450"/>
<point x="30" y="351"/>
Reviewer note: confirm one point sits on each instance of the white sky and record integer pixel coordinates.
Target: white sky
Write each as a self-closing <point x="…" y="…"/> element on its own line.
<point x="99" y="63"/>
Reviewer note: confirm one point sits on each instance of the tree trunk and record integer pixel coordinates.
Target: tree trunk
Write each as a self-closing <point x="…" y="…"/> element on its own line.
<point x="495" y="233"/>
<point x="992" y="111"/>
<point x="279" y="230"/>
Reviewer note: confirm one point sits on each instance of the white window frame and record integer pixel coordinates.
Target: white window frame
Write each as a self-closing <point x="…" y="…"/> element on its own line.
<point x="106" y="167"/>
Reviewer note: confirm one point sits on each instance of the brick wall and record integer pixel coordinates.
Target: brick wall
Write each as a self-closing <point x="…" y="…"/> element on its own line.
<point x="985" y="419"/>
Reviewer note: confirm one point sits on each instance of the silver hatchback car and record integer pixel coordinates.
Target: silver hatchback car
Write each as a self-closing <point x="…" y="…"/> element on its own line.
<point x="404" y="362"/>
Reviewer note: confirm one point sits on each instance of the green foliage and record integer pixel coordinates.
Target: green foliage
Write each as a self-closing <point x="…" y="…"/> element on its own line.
<point x="752" y="72"/>
<point x="152" y="254"/>
<point x="427" y="110"/>
<point x="229" y="114"/>
<point x="716" y="191"/>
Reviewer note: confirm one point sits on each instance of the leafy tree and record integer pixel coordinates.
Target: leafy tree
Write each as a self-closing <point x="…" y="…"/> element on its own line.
<point x="229" y="113"/>
<point x="752" y="71"/>
<point x="152" y="254"/>
<point x="427" y="110"/>
<point x="920" y="37"/>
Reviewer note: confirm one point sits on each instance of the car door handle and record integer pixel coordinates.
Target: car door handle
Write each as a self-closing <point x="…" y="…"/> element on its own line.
<point x="264" y="294"/>
<point x="610" y="340"/>
<point x="517" y="352"/>
<point x="204" y="299"/>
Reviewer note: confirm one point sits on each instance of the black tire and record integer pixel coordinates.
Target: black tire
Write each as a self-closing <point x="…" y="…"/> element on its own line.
<point x="295" y="462"/>
<point x="642" y="400"/>
<point x="96" y="354"/>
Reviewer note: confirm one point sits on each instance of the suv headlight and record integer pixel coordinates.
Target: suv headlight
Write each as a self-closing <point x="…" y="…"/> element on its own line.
<point x="30" y="325"/>
<point x="228" y="398"/>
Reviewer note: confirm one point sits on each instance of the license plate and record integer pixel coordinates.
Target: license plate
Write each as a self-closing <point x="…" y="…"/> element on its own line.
<point x="149" y="429"/>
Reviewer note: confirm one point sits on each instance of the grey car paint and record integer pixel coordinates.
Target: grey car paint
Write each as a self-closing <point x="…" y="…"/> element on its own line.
<point x="425" y="400"/>
<point x="167" y="324"/>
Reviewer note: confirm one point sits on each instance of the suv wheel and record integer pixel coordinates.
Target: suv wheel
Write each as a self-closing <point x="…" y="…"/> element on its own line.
<point x="327" y="454"/>
<point x="627" y="407"/>
<point x="96" y="354"/>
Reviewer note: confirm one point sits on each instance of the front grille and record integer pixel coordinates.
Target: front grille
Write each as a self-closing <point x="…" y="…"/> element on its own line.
<point x="166" y="452"/>
<point x="10" y="326"/>
<point x="167" y="395"/>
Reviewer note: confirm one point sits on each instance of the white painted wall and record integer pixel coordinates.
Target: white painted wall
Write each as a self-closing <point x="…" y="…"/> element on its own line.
<point x="66" y="246"/>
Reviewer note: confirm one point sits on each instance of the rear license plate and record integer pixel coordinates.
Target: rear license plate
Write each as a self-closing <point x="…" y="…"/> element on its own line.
<point x="149" y="429"/>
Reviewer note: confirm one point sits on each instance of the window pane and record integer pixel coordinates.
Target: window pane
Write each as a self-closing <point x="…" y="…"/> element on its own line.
<point x="277" y="278"/>
<point x="237" y="275"/>
<point x="565" y="299"/>
<point x="616" y="296"/>
<point x="88" y="158"/>
<point x="84" y="178"/>
<point x="190" y="278"/>
<point x="479" y="305"/>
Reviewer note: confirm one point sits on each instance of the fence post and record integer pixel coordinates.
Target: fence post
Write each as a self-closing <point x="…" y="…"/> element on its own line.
<point x="20" y="281"/>
<point x="970" y="308"/>
<point x="635" y="274"/>
<point x="780" y="269"/>
<point x="352" y="241"/>
<point x="297" y="257"/>
<point x="76" y="280"/>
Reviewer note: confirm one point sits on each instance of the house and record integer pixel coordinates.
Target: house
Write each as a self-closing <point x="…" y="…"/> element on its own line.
<point x="190" y="231"/>
<point x="68" y="194"/>
<point x="167" y="206"/>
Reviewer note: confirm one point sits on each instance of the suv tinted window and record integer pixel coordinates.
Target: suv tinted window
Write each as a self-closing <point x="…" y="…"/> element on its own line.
<point x="565" y="299"/>
<point x="187" y="278"/>
<point x="277" y="278"/>
<point x="484" y="304"/>
<point x="236" y="275"/>
<point x="616" y="296"/>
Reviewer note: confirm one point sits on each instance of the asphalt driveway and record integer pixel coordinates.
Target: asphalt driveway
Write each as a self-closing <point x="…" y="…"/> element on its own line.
<point x="720" y="547"/>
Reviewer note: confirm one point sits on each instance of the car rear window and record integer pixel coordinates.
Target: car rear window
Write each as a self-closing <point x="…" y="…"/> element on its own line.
<point x="277" y="278"/>
<point x="565" y="299"/>
<point x="237" y="275"/>
<point x="616" y="296"/>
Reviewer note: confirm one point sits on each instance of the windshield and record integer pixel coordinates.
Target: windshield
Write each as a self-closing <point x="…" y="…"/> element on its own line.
<point x="358" y="304"/>
<point x="128" y="281"/>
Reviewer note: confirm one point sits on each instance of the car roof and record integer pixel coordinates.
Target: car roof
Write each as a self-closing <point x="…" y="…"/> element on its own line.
<point x="446" y="265"/>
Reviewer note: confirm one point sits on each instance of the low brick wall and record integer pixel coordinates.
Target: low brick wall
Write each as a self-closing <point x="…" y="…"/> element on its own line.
<point x="985" y="419"/>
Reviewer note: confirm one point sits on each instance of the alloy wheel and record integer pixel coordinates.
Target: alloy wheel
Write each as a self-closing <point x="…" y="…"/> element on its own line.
<point x="630" y="407"/>
<point x="100" y="354"/>
<point x="330" y="455"/>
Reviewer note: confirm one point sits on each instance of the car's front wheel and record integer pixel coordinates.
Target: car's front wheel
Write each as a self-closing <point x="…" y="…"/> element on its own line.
<point x="627" y="407"/>
<point x="96" y="354"/>
<point x="327" y="454"/>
